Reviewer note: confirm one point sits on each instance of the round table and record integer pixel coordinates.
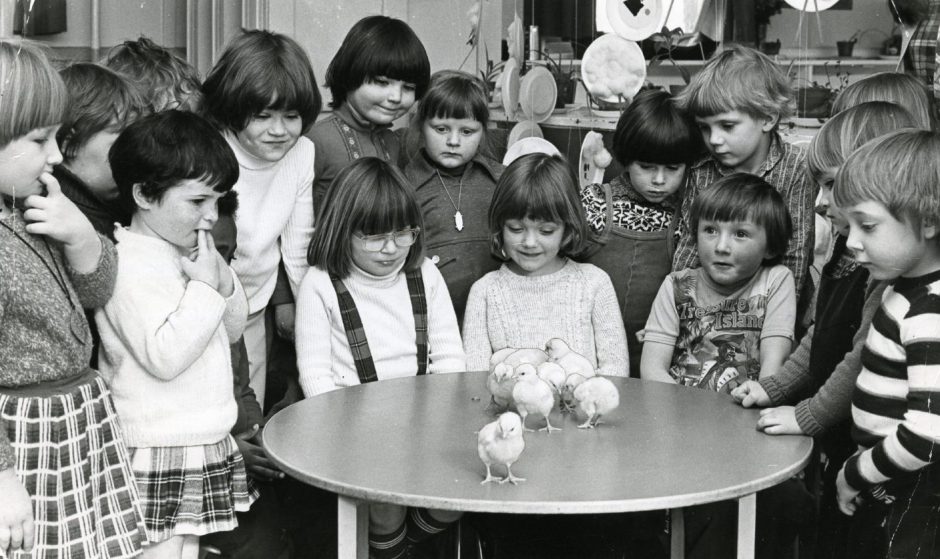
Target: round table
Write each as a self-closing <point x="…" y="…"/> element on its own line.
<point x="412" y="441"/>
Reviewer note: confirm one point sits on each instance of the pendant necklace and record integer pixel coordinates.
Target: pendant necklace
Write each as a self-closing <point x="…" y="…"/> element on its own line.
<point x="458" y="217"/>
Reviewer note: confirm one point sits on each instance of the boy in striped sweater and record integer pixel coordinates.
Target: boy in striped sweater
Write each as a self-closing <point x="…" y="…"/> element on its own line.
<point x="888" y="190"/>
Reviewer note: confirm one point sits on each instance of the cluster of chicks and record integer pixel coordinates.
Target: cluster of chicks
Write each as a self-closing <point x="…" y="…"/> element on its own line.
<point x="534" y="382"/>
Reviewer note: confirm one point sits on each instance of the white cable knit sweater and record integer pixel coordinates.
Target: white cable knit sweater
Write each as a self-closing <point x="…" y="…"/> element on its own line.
<point x="323" y="355"/>
<point x="576" y="304"/>
<point x="275" y="207"/>
<point x="165" y="348"/>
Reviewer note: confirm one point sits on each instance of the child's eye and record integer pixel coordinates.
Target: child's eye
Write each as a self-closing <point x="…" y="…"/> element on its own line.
<point x="708" y="230"/>
<point x="262" y="116"/>
<point x="741" y="234"/>
<point x="440" y="129"/>
<point x="409" y="86"/>
<point x="513" y="228"/>
<point x="381" y="80"/>
<point x="292" y="116"/>
<point x="867" y="227"/>
<point x="674" y="168"/>
<point x="42" y="141"/>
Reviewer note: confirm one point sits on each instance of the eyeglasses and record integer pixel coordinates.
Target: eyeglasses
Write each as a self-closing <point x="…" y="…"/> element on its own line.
<point x="375" y="243"/>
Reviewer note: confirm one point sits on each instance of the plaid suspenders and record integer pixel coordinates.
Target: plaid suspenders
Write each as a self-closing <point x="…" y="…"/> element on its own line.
<point x="356" y="334"/>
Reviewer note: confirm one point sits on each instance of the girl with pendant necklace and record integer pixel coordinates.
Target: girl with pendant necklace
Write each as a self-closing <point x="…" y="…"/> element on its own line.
<point x="454" y="180"/>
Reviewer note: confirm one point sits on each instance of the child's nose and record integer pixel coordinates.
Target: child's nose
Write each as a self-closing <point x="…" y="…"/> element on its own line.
<point x="211" y="215"/>
<point x="714" y="137"/>
<point x="394" y="92"/>
<point x="853" y="242"/>
<point x="389" y="247"/>
<point x="723" y="244"/>
<point x="54" y="156"/>
<point x="453" y="139"/>
<point x="660" y="177"/>
<point x="277" y="127"/>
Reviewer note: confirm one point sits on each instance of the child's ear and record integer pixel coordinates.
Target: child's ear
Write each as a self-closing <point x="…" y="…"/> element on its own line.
<point x="929" y="229"/>
<point x="769" y="122"/>
<point x="142" y="201"/>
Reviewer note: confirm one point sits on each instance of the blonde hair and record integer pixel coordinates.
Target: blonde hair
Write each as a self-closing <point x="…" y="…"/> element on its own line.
<point x="894" y="87"/>
<point x="739" y="79"/>
<point x="32" y="94"/>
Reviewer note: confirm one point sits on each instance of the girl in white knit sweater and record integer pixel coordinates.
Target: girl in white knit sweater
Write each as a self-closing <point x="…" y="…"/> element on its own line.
<point x="166" y="330"/>
<point x="536" y="225"/>
<point x="373" y="308"/>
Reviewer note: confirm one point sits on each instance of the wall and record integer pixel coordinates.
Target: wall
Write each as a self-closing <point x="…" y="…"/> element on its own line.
<point x="837" y="25"/>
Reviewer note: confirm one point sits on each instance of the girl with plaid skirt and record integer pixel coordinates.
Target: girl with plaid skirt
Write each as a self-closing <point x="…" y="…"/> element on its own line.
<point x="66" y="486"/>
<point x="166" y="330"/>
<point x="372" y="307"/>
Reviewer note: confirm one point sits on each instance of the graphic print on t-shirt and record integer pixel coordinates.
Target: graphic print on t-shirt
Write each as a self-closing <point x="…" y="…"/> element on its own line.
<point x="718" y="345"/>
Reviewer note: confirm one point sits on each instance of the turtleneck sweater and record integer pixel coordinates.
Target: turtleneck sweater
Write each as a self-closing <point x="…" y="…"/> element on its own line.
<point x="275" y="207"/>
<point x="165" y="347"/>
<point x="323" y="355"/>
<point x="577" y="304"/>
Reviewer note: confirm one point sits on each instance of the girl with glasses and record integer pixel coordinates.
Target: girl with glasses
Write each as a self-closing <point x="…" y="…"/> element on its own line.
<point x="372" y="307"/>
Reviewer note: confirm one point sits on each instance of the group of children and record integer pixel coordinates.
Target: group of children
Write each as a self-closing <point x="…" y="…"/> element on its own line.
<point x="199" y="223"/>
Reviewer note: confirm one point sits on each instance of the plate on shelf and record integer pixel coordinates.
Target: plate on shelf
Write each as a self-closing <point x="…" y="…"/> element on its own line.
<point x="812" y="5"/>
<point x="613" y="67"/>
<point x="589" y="172"/>
<point x="538" y="94"/>
<point x="637" y="22"/>
<point x="524" y="129"/>
<point x="806" y="122"/>
<point x="525" y="146"/>
<point x="510" y="87"/>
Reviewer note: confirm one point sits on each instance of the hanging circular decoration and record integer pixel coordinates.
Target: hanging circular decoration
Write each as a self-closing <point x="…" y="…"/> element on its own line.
<point x="538" y="94"/>
<point x="636" y="20"/>
<point x="524" y="129"/>
<point x="510" y="87"/>
<point x="812" y="5"/>
<point x="613" y="68"/>
<point x="525" y="146"/>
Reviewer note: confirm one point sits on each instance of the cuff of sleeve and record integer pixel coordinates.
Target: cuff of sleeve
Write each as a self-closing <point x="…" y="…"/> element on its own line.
<point x="805" y="419"/>
<point x="852" y="475"/>
<point x="772" y="388"/>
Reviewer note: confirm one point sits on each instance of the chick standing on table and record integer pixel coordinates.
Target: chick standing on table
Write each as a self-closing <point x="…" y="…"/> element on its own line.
<point x="533" y="395"/>
<point x="500" y="383"/>
<point x="596" y="396"/>
<point x="567" y="391"/>
<point x="532" y="356"/>
<point x="571" y="361"/>
<point x="501" y="442"/>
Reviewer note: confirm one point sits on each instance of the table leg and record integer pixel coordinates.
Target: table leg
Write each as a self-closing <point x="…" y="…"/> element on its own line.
<point x="677" y="534"/>
<point x="352" y="528"/>
<point x="747" y="525"/>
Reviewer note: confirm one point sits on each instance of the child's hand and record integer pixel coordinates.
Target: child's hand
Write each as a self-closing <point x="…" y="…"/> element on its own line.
<point x="257" y="463"/>
<point x="16" y="515"/>
<point x="226" y="284"/>
<point x="846" y="496"/>
<point x="751" y="393"/>
<point x="203" y="265"/>
<point x="284" y="320"/>
<point x="56" y="217"/>
<point x="779" y="421"/>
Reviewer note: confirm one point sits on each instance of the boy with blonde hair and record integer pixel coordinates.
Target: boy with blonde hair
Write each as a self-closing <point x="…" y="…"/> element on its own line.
<point x="888" y="192"/>
<point x="738" y="99"/>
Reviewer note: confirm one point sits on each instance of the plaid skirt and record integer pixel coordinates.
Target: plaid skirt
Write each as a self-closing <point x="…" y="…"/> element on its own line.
<point x="192" y="490"/>
<point x="70" y="456"/>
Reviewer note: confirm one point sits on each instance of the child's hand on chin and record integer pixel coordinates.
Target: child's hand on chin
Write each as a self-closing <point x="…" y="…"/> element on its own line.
<point x="56" y="217"/>
<point x="203" y="264"/>
<point x="16" y="514"/>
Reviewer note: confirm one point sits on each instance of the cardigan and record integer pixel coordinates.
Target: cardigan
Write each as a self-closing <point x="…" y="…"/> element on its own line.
<point x="165" y="347"/>
<point x="577" y="304"/>
<point x="324" y="359"/>
<point x="274" y="219"/>
<point x="37" y="343"/>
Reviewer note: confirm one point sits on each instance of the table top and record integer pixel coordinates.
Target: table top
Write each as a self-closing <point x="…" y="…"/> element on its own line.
<point x="413" y="442"/>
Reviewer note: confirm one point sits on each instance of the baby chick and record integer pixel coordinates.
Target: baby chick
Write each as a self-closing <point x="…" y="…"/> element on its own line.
<point x="572" y="362"/>
<point x="534" y="396"/>
<point x="596" y="396"/>
<point x="554" y="375"/>
<point x="500" y="383"/>
<point x="501" y="442"/>
<point x="501" y="355"/>
<point x="533" y="356"/>
<point x="567" y="391"/>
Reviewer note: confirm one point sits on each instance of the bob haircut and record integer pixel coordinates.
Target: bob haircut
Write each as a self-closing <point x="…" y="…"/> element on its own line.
<point x="849" y="129"/>
<point x="653" y="129"/>
<point x="99" y="99"/>
<point x="899" y="170"/>
<point x="260" y="70"/>
<point x="539" y="187"/>
<point x="739" y="79"/>
<point x="166" y="80"/>
<point x="164" y="149"/>
<point x="33" y="95"/>
<point x="452" y="94"/>
<point x="371" y="197"/>
<point x="747" y="197"/>
<point x="902" y="89"/>
<point x="378" y="46"/>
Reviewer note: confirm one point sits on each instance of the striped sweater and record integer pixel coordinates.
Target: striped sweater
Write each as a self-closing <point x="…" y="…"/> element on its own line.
<point x="896" y="404"/>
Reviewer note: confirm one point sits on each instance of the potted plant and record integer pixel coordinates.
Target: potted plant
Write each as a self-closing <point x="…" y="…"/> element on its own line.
<point x="763" y="11"/>
<point x="845" y="48"/>
<point x="815" y="100"/>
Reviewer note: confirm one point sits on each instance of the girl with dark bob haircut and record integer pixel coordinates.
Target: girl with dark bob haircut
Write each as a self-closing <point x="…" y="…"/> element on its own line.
<point x="260" y="70"/>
